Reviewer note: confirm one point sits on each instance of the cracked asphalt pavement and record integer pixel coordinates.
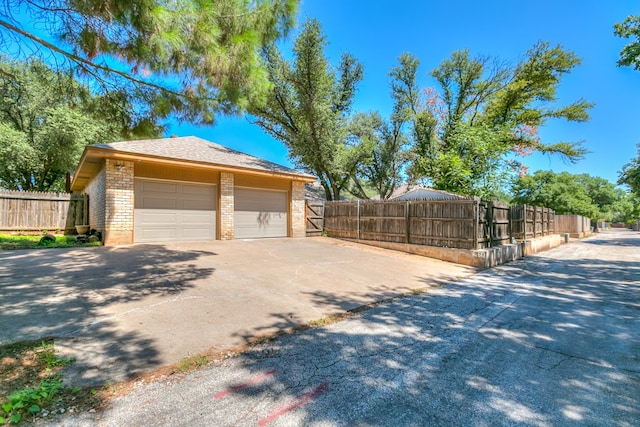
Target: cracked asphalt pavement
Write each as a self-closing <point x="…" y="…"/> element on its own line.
<point x="550" y="340"/>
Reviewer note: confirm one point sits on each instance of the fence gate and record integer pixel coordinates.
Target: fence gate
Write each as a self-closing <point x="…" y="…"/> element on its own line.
<point x="315" y="218"/>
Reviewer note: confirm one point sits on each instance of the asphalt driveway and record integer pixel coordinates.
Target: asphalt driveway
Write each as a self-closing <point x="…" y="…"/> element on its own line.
<point x="121" y="311"/>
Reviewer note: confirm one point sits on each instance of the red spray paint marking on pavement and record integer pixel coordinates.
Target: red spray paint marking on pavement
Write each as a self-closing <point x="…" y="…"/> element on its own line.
<point x="302" y="400"/>
<point x="245" y="384"/>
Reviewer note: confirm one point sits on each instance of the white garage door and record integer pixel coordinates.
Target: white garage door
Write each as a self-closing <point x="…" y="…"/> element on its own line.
<point x="259" y="213"/>
<point x="173" y="211"/>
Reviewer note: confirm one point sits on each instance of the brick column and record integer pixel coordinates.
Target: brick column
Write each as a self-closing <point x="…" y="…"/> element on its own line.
<point x="298" y="210"/>
<point x="119" y="201"/>
<point x="227" y="211"/>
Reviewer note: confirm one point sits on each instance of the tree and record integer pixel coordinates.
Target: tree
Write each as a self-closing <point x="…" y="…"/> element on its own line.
<point x="386" y="141"/>
<point x="626" y="210"/>
<point x="468" y="136"/>
<point x="565" y="193"/>
<point x="308" y="109"/>
<point x="191" y="58"/>
<point x="629" y="29"/>
<point x="46" y="119"/>
<point x="630" y="174"/>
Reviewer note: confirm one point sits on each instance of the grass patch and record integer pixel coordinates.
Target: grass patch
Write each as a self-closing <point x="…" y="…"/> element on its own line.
<point x="10" y="241"/>
<point x="31" y="384"/>
<point x="192" y="362"/>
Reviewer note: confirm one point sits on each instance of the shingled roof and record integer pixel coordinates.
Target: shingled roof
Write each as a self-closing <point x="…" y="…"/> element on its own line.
<point x="196" y="149"/>
<point x="177" y="150"/>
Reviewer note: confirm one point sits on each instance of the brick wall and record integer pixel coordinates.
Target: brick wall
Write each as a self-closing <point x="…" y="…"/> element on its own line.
<point x="226" y="205"/>
<point x="97" y="193"/>
<point x="298" y="209"/>
<point x="119" y="202"/>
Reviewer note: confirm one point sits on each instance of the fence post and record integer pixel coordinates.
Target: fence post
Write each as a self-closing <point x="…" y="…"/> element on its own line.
<point x="406" y="220"/>
<point x="490" y="222"/>
<point x="476" y="223"/>
<point x="509" y="226"/>
<point x="358" y="220"/>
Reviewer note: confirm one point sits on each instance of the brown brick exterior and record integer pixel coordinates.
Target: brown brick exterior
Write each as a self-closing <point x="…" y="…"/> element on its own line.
<point x="97" y="194"/>
<point x="298" y="209"/>
<point x="119" y="202"/>
<point x="226" y="205"/>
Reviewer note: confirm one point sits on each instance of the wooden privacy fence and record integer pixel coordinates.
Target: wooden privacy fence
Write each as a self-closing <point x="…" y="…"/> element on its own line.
<point x="462" y="224"/>
<point x="37" y="211"/>
<point x="528" y="222"/>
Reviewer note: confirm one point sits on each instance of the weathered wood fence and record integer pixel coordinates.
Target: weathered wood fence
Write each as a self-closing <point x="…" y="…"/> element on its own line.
<point x="462" y="224"/>
<point x="528" y="222"/>
<point x="37" y="211"/>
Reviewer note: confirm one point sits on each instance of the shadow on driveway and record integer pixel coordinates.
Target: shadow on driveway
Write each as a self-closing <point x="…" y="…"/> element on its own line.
<point x="551" y="340"/>
<point x="67" y="294"/>
<point x="121" y="311"/>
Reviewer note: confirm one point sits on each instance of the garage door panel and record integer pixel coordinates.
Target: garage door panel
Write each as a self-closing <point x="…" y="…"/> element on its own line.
<point x="260" y="213"/>
<point x="154" y="202"/>
<point x="157" y="217"/>
<point x="158" y="186"/>
<point x="161" y="234"/>
<point x="196" y="218"/>
<point x="202" y="205"/>
<point x="201" y="190"/>
<point x="195" y="234"/>
<point x="174" y="211"/>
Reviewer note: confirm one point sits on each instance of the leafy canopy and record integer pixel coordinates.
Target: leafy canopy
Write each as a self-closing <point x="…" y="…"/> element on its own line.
<point x="46" y="119"/>
<point x="570" y="194"/>
<point x="630" y="174"/>
<point x="629" y="29"/>
<point x="191" y="58"/>
<point x="469" y="132"/>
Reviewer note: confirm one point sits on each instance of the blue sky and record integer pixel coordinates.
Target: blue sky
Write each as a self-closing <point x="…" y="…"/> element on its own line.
<point x="378" y="32"/>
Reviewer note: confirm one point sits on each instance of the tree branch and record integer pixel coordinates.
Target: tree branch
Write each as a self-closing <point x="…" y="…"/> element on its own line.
<point x="88" y="63"/>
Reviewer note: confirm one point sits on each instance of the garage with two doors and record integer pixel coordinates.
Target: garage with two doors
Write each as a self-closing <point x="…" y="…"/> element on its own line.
<point x="176" y="200"/>
<point x="179" y="211"/>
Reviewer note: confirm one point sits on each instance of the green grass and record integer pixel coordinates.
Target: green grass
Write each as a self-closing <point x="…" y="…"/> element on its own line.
<point x="8" y="242"/>
<point x="31" y="383"/>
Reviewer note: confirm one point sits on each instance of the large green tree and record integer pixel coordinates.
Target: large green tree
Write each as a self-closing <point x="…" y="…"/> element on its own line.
<point x="46" y="119"/>
<point x="308" y="109"/>
<point x="387" y="141"/>
<point x="566" y="193"/>
<point x="629" y="29"/>
<point x="630" y="174"/>
<point x="470" y="131"/>
<point x="189" y="58"/>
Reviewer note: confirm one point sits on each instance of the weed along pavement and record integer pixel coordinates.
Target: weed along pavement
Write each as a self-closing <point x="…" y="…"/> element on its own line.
<point x="550" y="340"/>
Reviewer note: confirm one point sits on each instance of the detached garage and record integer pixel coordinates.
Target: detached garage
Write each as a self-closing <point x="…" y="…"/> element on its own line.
<point x="187" y="189"/>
